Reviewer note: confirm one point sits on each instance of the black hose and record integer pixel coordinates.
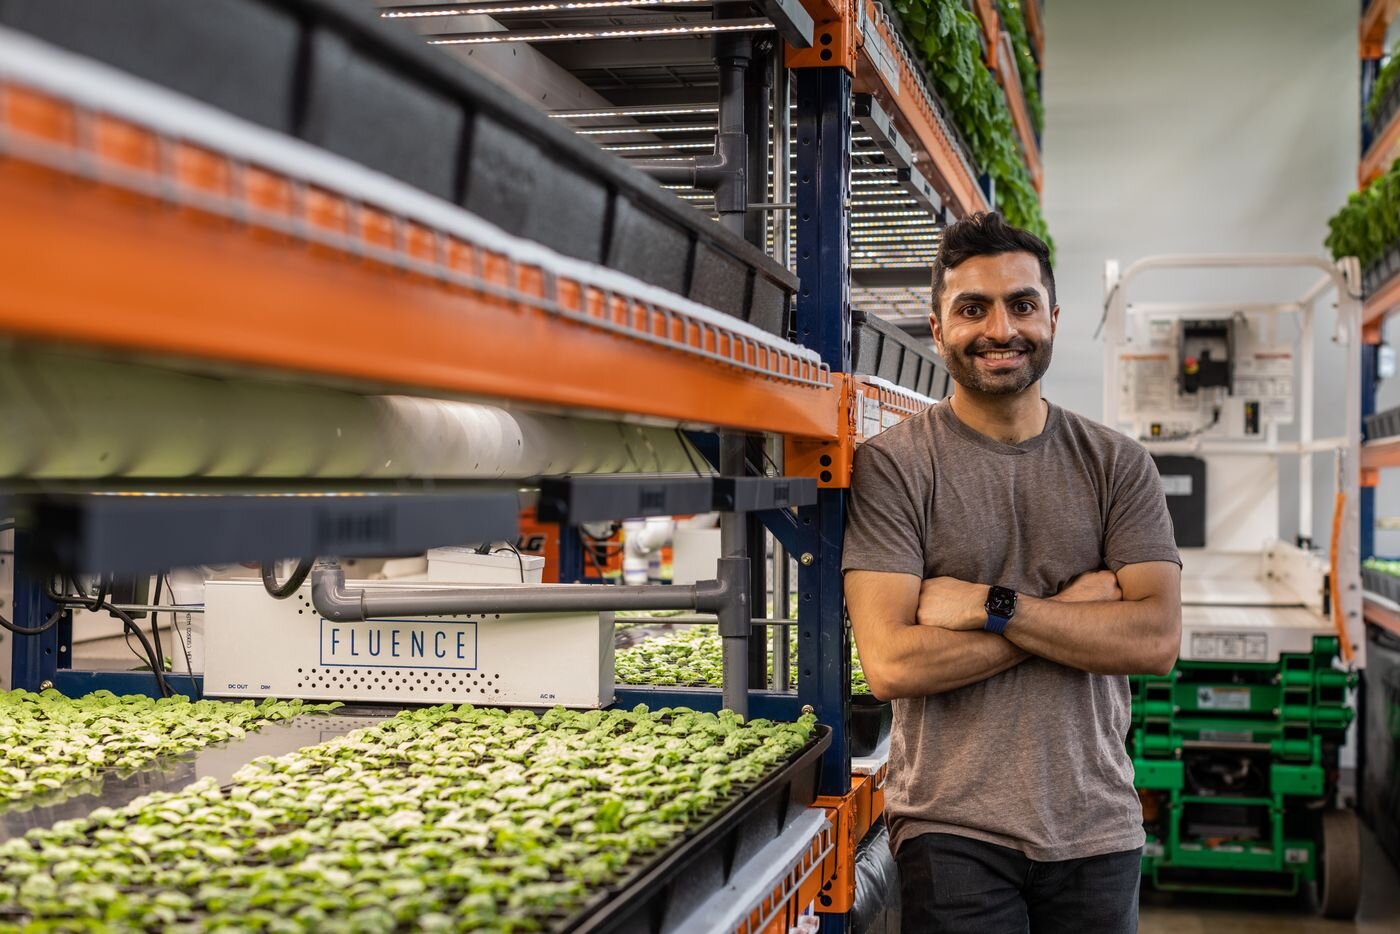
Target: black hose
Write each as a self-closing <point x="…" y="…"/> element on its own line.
<point x="157" y="663"/>
<point x="155" y="624"/>
<point x="293" y="584"/>
<point x="51" y="622"/>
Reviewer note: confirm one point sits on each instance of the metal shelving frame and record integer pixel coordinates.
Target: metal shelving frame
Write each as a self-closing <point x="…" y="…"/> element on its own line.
<point x="273" y="236"/>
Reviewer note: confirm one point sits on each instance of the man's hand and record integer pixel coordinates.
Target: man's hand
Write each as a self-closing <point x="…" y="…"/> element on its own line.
<point x="949" y="603"/>
<point x="1091" y="587"/>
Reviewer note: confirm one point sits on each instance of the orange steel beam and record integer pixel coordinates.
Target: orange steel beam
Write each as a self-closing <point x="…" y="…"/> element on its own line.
<point x="115" y="236"/>
<point x="1383" y="616"/>
<point x="864" y="410"/>
<point x="986" y="11"/>
<point x="1035" y="27"/>
<point x="90" y="264"/>
<point x="791" y="898"/>
<point x="834" y="37"/>
<point x="851" y="814"/>
<point x="1375" y="21"/>
<point x="901" y="95"/>
<point x="1381" y="153"/>
<point x="1010" y="79"/>
<point x="1380" y="304"/>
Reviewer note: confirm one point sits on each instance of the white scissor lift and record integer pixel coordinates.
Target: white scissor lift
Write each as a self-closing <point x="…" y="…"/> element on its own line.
<point x="1236" y="750"/>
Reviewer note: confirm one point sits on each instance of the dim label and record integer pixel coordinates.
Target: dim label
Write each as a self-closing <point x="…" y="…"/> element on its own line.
<point x="1222" y="698"/>
<point x="1229" y="646"/>
<point x="1177" y="484"/>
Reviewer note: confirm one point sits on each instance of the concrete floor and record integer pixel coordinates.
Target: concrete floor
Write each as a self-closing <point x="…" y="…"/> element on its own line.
<point x="1176" y="913"/>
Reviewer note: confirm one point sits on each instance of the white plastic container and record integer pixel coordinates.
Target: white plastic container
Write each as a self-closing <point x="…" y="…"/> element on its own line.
<point x="462" y="565"/>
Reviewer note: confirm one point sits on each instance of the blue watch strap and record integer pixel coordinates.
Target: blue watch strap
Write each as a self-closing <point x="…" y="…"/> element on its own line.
<point x="996" y="624"/>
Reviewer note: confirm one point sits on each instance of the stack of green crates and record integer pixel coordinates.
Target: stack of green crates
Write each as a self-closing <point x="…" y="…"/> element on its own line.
<point x="1236" y="763"/>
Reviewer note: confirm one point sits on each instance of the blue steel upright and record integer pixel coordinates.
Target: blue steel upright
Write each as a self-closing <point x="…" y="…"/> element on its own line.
<point x="1366" y="502"/>
<point x="823" y="323"/>
<point x="36" y="659"/>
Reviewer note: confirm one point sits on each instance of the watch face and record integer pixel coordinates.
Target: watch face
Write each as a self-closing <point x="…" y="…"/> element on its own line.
<point x="1001" y="602"/>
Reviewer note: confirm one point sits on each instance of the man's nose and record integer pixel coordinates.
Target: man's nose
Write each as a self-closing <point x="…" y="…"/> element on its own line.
<point x="1000" y="326"/>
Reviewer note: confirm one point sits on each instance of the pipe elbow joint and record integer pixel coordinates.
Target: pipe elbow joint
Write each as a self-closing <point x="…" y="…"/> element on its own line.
<point x="330" y="597"/>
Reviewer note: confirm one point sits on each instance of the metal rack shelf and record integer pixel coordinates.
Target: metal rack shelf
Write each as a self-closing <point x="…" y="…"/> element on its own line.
<point x="1035" y="27"/>
<point x="1375" y="21"/>
<point x="1381" y="153"/>
<point x="1381" y="303"/>
<point x="1381" y="612"/>
<point x="1380" y="454"/>
<point x="300" y="244"/>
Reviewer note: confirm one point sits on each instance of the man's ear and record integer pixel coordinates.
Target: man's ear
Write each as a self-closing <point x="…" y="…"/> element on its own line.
<point x="936" y="327"/>
<point x="1054" y="319"/>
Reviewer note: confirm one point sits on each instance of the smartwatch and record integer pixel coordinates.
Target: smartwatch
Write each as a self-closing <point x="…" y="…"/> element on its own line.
<point x="1000" y="607"/>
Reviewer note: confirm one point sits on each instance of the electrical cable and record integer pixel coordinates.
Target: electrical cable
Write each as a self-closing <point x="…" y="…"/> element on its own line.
<point x="129" y="624"/>
<point x="293" y="583"/>
<point x="518" y="559"/>
<point x="175" y="628"/>
<point x="155" y="629"/>
<point x="685" y="446"/>
<point x="48" y="624"/>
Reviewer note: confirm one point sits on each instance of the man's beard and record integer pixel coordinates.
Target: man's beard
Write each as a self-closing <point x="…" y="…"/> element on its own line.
<point x="962" y="366"/>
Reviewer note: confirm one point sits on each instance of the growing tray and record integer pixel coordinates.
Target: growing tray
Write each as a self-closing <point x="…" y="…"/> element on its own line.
<point x="665" y="888"/>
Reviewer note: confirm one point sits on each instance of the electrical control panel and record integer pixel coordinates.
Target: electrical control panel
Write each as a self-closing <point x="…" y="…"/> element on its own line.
<point x="1228" y="377"/>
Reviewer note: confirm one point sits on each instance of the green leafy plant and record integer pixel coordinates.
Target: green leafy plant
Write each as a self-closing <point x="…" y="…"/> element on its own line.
<point x="1380" y="89"/>
<point x="1013" y="16"/>
<point x="947" y="35"/>
<point x="49" y="741"/>
<point x="442" y="818"/>
<point x="1383" y="565"/>
<point x="1369" y="224"/>
<point x="693" y="657"/>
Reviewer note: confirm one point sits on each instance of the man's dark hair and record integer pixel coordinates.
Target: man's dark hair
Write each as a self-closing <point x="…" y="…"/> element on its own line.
<point x="986" y="234"/>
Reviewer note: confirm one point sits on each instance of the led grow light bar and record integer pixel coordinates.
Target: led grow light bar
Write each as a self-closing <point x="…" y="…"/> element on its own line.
<point x="603" y="32"/>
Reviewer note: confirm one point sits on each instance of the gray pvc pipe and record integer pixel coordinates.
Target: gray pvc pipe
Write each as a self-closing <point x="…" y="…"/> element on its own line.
<point x="334" y="600"/>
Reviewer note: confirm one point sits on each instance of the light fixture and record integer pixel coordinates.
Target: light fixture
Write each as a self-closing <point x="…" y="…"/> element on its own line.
<point x="654" y="128"/>
<point x="491" y="9"/>
<point x="677" y="110"/>
<point x="652" y="147"/>
<point x="862" y="215"/>
<point x="603" y="32"/>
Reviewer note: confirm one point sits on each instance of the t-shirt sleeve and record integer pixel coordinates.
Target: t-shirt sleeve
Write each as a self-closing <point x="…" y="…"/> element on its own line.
<point x="1139" y="526"/>
<point x="884" y="523"/>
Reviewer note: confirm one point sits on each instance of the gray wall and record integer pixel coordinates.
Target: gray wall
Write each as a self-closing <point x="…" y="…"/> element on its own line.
<point x="1194" y="126"/>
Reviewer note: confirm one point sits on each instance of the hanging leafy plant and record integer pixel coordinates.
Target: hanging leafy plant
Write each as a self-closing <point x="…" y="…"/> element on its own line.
<point x="1380" y="89"/>
<point x="1013" y="15"/>
<point x="947" y="35"/>
<point x="1368" y="226"/>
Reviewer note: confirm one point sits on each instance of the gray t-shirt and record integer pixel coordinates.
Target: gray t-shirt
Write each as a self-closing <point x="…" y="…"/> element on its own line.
<point x="1033" y="758"/>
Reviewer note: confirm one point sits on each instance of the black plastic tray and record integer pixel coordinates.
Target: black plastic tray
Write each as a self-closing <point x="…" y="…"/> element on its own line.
<point x="335" y="75"/>
<point x="664" y="891"/>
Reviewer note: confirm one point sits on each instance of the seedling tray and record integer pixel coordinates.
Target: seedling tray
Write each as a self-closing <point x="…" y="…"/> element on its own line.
<point x="664" y="889"/>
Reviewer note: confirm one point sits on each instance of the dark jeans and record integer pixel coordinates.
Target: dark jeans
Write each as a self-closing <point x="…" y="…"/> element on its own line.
<point x="954" y="885"/>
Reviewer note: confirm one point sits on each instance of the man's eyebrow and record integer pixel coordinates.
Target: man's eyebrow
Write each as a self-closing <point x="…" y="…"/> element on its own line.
<point x="1014" y="295"/>
<point x="1025" y="292"/>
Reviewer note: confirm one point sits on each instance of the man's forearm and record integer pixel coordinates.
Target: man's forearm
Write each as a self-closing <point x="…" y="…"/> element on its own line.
<point x="923" y="660"/>
<point x="1125" y="637"/>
